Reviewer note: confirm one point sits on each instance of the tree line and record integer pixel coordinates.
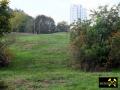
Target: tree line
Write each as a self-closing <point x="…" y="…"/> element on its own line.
<point x="22" y="22"/>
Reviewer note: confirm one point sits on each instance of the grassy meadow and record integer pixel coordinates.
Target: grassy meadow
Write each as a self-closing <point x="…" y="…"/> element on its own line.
<point x="41" y="63"/>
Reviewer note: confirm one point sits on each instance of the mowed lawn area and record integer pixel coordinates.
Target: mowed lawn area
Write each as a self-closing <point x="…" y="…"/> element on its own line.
<point x="41" y="62"/>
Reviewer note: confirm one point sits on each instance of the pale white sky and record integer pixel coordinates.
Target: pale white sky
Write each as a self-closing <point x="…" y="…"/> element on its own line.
<point x="59" y="10"/>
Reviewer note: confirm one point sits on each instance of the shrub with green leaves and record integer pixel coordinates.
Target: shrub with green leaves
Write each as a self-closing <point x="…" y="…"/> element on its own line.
<point x="5" y="28"/>
<point x="94" y="41"/>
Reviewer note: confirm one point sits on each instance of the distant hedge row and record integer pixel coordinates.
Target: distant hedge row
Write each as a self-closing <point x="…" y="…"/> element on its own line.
<point x="22" y="22"/>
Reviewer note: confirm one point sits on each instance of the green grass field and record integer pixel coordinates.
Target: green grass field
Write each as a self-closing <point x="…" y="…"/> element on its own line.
<point x="41" y="63"/>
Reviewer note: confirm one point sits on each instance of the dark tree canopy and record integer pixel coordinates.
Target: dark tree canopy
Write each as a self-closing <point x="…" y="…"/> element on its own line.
<point x="62" y="27"/>
<point x="44" y="24"/>
<point x="5" y="16"/>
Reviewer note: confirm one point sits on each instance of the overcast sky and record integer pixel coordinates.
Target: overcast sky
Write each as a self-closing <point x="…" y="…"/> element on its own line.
<point x="57" y="9"/>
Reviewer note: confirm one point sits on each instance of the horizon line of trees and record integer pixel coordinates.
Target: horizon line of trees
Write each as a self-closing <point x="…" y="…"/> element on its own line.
<point x="22" y="22"/>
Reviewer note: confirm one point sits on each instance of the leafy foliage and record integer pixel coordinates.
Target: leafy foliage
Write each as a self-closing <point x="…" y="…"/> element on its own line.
<point x="114" y="55"/>
<point x="94" y="41"/>
<point x="5" y="16"/>
<point x="5" y="27"/>
<point x="44" y="24"/>
<point x="62" y="27"/>
<point x="24" y="23"/>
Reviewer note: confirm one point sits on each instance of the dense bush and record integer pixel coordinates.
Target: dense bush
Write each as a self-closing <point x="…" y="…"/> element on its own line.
<point x="94" y="42"/>
<point x="114" y="55"/>
<point x="5" y="57"/>
<point x="5" y="27"/>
